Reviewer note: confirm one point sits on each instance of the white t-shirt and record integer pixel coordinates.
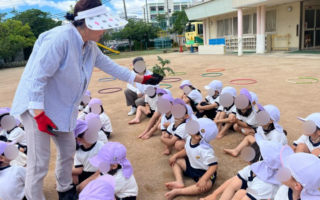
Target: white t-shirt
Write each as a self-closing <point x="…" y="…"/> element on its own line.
<point x="211" y="100"/>
<point x="257" y="187"/>
<point x="232" y="110"/>
<point x="106" y="123"/>
<point x="195" y="96"/>
<point x="17" y="135"/>
<point x="102" y="137"/>
<point x="165" y="119"/>
<point x="140" y="88"/>
<point x="250" y="120"/>
<point x="284" y="193"/>
<point x="84" y="112"/>
<point x="179" y="131"/>
<point x="12" y="182"/>
<point x="200" y="157"/>
<point x="21" y="160"/>
<point x="125" y="187"/>
<point x="307" y="141"/>
<point x="152" y="102"/>
<point x="82" y="156"/>
<point x="274" y="135"/>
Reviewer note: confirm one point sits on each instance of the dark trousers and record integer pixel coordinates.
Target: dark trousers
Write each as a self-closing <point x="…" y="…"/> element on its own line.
<point x="211" y="114"/>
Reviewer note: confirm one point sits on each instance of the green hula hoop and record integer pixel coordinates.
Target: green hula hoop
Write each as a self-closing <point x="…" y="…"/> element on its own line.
<point x="177" y="74"/>
<point x="168" y="86"/>
<point x="315" y="80"/>
<point x="212" y="74"/>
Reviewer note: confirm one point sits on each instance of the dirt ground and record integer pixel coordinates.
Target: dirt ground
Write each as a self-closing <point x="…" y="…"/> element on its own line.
<point x="151" y="167"/>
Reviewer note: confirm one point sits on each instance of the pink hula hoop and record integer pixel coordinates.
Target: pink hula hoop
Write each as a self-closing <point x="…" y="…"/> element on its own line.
<point x="248" y="83"/>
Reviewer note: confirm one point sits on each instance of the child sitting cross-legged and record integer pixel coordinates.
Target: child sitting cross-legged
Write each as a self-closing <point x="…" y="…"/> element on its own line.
<point x="176" y="132"/>
<point x="197" y="161"/>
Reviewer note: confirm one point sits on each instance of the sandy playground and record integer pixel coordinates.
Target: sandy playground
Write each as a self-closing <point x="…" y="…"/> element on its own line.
<point x="151" y="168"/>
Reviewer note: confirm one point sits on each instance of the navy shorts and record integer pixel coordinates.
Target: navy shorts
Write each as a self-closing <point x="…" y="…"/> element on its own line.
<point x="151" y="114"/>
<point x="84" y="176"/>
<point x="196" y="174"/>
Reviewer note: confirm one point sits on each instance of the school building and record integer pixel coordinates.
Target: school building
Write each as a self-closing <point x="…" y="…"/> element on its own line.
<point x="260" y="25"/>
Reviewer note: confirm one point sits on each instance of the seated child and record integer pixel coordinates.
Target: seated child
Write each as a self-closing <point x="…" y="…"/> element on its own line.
<point x="101" y="188"/>
<point x="102" y="136"/>
<point x="148" y="109"/>
<point x="226" y="116"/>
<point x="255" y="99"/>
<point x="245" y="122"/>
<point x="260" y="176"/>
<point x="309" y="143"/>
<point x="197" y="161"/>
<point x="16" y="134"/>
<point x="271" y="131"/>
<point x="193" y="98"/>
<point x="304" y="182"/>
<point x="176" y="132"/>
<point x="84" y="107"/>
<point x="21" y="159"/>
<point x="82" y="168"/>
<point x="12" y="178"/>
<point x="154" y="122"/>
<point x="105" y="121"/>
<point x="115" y="154"/>
<point x="211" y="105"/>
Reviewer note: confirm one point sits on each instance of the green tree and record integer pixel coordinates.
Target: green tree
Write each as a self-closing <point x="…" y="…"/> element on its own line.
<point x="2" y="16"/>
<point x="181" y="19"/>
<point x="14" y="36"/>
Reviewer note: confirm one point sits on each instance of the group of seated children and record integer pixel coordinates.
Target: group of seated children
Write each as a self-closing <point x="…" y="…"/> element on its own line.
<point x="102" y="171"/>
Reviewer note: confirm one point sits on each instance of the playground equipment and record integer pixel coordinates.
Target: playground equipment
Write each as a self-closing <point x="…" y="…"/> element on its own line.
<point x="117" y="52"/>
<point x="162" y="43"/>
<point x="194" y="34"/>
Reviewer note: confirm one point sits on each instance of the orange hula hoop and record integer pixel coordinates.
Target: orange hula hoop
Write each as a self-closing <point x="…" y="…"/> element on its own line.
<point x="216" y="70"/>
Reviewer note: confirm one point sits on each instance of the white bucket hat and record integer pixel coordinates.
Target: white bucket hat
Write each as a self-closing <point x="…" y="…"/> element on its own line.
<point x="98" y="18"/>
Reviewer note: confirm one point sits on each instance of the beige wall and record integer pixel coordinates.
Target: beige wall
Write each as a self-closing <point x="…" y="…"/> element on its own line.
<point x="286" y="23"/>
<point x="239" y="3"/>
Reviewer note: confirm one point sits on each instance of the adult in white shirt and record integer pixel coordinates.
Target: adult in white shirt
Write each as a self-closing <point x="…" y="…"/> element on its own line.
<point x="135" y="95"/>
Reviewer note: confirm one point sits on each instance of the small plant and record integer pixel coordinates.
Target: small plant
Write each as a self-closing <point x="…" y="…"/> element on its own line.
<point x="161" y="69"/>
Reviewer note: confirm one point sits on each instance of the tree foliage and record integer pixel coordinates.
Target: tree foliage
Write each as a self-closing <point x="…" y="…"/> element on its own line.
<point x="14" y="36"/>
<point x="181" y="19"/>
<point x="161" y="69"/>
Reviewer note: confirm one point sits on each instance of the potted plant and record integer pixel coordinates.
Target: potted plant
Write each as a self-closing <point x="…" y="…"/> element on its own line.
<point x="161" y="69"/>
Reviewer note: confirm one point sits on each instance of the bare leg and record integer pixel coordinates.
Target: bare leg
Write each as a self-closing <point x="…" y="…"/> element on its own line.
<point x="179" y="145"/>
<point x="316" y="152"/>
<point x="248" y="131"/>
<point x="140" y="110"/>
<point x="152" y="130"/>
<point x="191" y="190"/>
<point x="231" y="189"/>
<point x="224" y="130"/>
<point x="244" y="143"/>
<point x="166" y="148"/>
<point x="219" y="191"/>
<point x="240" y="195"/>
<point x="302" y="148"/>
<point x="152" y="121"/>
<point x="75" y="179"/>
<point x="178" y="168"/>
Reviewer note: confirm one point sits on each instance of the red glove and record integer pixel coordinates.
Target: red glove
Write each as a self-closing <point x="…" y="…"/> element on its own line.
<point x="153" y="79"/>
<point x="45" y="124"/>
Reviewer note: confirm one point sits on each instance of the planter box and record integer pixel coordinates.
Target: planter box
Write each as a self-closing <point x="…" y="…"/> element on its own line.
<point x="212" y="49"/>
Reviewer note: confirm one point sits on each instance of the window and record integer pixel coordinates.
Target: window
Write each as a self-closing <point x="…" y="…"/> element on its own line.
<point x="152" y="8"/>
<point x="153" y="17"/>
<point x="161" y="8"/>
<point x="220" y="28"/>
<point x="200" y="29"/>
<point x="271" y="18"/>
<point x="190" y="28"/>
<point x="235" y="26"/>
<point x="255" y="23"/>
<point x="184" y="7"/>
<point x="224" y="27"/>
<point x="247" y="24"/>
<point x="176" y="8"/>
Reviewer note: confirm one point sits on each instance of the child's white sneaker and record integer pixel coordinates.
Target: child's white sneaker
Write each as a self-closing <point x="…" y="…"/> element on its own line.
<point x="133" y="111"/>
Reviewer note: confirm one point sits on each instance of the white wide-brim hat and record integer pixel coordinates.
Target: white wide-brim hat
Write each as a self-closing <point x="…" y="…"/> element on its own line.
<point x="98" y="18"/>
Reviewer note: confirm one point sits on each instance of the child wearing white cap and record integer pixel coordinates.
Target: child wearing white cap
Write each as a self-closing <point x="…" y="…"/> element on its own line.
<point x="12" y="178"/>
<point x="245" y="122"/>
<point x="309" y="143"/>
<point x="272" y="131"/>
<point x="226" y="115"/>
<point x="176" y="132"/>
<point x="211" y="105"/>
<point x="197" y="161"/>
<point x="156" y="120"/>
<point x="304" y="182"/>
<point x="148" y="109"/>
<point x="255" y="100"/>
<point x="16" y="134"/>
<point x="234" y="184"/>
<point x="260" y="177"/>
<point x="191" y="95"/>
<point x="83" y="170"/>
<point x="114" y="154"/>
<point x="105" y="120"/>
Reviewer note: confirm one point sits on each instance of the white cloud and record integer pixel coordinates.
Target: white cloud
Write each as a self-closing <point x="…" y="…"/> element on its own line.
<point x="61" y="5"/>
